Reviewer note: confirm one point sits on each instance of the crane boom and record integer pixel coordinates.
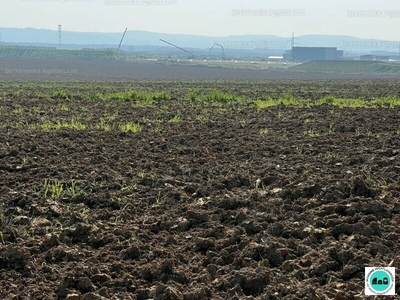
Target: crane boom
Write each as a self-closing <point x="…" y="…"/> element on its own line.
<point x="177" y="47"/>
<point x="119" y="46"/>
<point x="219" y="45"/>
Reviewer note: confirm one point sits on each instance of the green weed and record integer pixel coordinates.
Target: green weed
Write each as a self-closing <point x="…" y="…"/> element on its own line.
<point x="298" y="150"/>
<point x="132" y="127"/>
<point x="72" y="124"/>
<point x="289" y="100"/>
<point x="161" y="96"/>
<point x="17" y="111"/>
<point x="311" y="132"/>
<point x="218" y="96"/>
<point x="104" y="125"/>
<point x="60" y="95"/>
<point x="72" y="188"/>
<point x="53" y="188"/>
<point x="138" y="96"/>
<point x="202" y="119"/>
<point x="2" y="238"/>
<point x="261" y="104"/>
<point x="192" y="96"/>
<point x="63" y="107"/>
<point x="25" y="160"/>
<point x="175" y="119"/>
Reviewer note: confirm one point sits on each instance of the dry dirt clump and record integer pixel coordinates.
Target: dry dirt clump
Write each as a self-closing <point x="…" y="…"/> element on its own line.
<point x="202" y="207"/>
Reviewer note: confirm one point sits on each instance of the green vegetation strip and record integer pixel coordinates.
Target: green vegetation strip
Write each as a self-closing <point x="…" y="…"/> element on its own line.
<point x="75" y="110"/>
<point x="288" y="100"/>
<point x="87" y="54"/>
<point x="348" y="67"/>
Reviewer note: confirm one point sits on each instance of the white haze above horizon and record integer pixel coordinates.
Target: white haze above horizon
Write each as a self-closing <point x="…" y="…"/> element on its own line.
<point x="363" y="19"/>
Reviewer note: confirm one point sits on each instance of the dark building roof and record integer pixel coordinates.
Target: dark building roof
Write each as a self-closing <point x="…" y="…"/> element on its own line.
<point x="315" y="53"/>
<point x="374" y="57"/>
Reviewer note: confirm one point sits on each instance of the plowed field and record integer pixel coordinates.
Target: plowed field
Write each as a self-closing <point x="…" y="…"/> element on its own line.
<point x="179" y="197"/>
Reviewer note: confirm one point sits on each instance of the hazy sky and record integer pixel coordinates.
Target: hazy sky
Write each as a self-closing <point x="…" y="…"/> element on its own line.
<point x="360" y="18"/>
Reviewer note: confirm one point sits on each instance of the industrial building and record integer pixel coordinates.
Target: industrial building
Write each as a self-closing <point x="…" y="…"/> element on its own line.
<point x="313" y="53"/>
<point x="375" y="57"/>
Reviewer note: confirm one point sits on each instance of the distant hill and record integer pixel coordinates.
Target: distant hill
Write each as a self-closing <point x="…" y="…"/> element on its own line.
<point x="348" y="67"/>
<point x="75" y="40"/>
<point x="136" y="37"/>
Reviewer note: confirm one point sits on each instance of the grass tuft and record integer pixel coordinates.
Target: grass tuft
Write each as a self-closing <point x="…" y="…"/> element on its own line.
<point x="132" y="127"/>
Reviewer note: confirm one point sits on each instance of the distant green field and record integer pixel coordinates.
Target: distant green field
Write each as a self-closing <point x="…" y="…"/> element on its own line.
<point x="87" y="54"/>
<point x="110" y="54"/>
<point x="231" y="64"/>
<point x="348" y="67"/>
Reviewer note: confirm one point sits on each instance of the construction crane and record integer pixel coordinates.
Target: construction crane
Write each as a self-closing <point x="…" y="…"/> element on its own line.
<point x="119" y="46"/>
<point x="191" y="54"/>
<point x="292" y="44"/>
<point x="222" y="47"/>
<point x="292" y="41"/>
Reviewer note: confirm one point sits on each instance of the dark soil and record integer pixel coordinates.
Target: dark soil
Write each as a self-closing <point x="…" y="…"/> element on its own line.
<point x="39" y="69"/>
<point x="199" y="209"/>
